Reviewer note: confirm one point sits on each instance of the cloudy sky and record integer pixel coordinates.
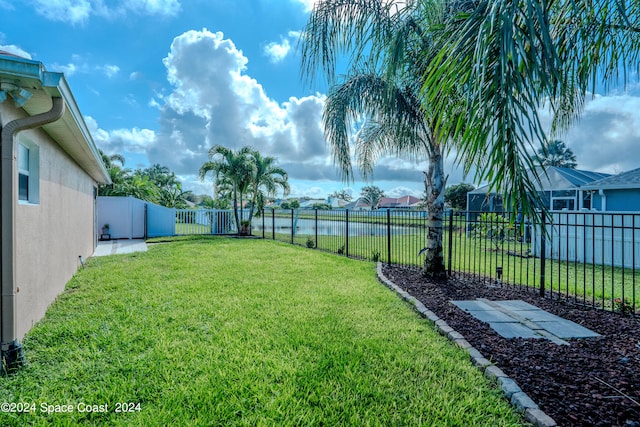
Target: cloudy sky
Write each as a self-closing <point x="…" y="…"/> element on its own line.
<point x="161" y="81"/>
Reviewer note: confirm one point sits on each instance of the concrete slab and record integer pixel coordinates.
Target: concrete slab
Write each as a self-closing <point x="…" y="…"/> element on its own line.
<point x="538" y="315"/>
<point x="515" y="305"/>
<point x="491" y="316"/>
<point x="513" y="330"/>
<point x="114" y="247"/>
<point x="519" y="319"/>
<point x="474" y="305"/>
<point x="568" y="329"/>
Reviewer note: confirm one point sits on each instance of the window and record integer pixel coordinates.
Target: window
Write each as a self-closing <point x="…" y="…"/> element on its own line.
<point x="28" y="173"/>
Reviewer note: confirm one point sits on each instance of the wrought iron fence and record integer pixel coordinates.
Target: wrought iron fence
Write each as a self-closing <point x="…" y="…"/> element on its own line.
<point x="587" y="257"/>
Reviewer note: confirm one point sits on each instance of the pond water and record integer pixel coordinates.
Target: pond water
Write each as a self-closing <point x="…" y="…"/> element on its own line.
<point x="328" y="227"/>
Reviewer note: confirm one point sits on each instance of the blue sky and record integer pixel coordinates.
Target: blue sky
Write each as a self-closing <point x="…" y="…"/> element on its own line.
<point x="161" y="81"/>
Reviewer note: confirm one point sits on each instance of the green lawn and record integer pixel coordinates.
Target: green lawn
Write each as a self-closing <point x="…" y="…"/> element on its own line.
<point x="215" y="331"/>
<point x="594" y="284"/>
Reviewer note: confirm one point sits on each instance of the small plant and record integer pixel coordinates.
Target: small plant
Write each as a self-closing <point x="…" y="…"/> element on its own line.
<point x="375" y="256"/>
<point x="623" y="307"/>
<point x="341" y="250"/>
<point x="311" y="243"/>
<point x="495" y="228"/>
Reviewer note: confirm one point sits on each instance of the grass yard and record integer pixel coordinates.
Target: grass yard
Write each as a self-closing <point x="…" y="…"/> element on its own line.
<point x="215" y="331"/>
<point x="595" y="284"/>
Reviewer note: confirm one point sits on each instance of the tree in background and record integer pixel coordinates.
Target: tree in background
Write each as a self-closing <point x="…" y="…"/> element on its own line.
<point x="456" y="195"/>
<point x="372" y="195"/>
<point x="265" y="181"/>
<point x="342" y="195"/>
<point x="556" y="153"/>
<point x="156" y="184"/>
<point x="231" y="170"/>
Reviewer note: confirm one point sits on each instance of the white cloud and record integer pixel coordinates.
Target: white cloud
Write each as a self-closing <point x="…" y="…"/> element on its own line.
<point x="109" y="70"/>
<point x="80" y="11"/>
<point x="11" y="48"/>
<point x="121" y="141"/>
<point x="308" y="4"/>
<point x="214" y="101"/>
<point x="606" y="137"/>
<point x="276" y="52"/>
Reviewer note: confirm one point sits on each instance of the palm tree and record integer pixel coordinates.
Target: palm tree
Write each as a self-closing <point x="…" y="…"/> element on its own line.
<point x="556" y="153"/>
<point x="265" y="181"/>
<point x="389" y="46"/>
<point x="516" y="59"/>
<point x="230" y="168"/>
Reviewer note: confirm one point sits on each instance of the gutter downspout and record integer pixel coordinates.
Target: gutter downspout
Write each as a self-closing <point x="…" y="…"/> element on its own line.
<point x="11" y="350"/>
<point x="603" y="200"/>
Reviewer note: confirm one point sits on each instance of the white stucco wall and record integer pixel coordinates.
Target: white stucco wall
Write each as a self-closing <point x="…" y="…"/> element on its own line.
<point x="51" y="235"/>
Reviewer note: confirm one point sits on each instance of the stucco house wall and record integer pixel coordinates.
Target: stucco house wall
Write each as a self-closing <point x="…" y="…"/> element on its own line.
<point x="49" y="173"/>
<point x="53" y="234"/>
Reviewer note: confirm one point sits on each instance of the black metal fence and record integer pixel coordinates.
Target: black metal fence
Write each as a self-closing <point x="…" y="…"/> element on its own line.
<point x="587" y="257"/>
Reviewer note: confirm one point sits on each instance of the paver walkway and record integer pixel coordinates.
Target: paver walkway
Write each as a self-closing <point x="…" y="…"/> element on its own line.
<point x="518" y="319"/>
<point x="113" y="247"/>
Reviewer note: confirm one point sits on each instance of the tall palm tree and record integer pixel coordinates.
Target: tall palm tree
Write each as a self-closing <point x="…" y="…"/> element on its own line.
<point x="266" y="180"/>
<point x="389" y="47"/>
<point x="234" y="168"/>
<point x="516" y="59"/>
<point x="556" y="153"/>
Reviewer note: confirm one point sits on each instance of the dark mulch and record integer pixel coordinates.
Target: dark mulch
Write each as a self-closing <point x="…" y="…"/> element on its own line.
<point x="583" y="384"/>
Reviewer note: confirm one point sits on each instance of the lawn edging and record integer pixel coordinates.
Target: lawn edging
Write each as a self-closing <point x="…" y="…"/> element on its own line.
<point x="512" y="391"/>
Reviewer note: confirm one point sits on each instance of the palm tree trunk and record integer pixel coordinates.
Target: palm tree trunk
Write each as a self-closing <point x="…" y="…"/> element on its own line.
<point x="235" y="209"/>
<point x="434" y="182"/>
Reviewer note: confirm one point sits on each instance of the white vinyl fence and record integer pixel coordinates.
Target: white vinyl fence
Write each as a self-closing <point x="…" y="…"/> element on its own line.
<point x="600" y="238"/>
<point x="131" y="218"/>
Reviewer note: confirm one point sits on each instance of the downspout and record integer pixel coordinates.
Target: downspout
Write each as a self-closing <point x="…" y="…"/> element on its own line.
<point x="12" y="354"/>
<point x="603" y="200"/>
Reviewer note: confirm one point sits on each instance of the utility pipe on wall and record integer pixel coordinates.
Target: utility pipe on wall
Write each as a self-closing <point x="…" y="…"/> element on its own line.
<point x="11" y="349"/>
<point x="603" y="200"/>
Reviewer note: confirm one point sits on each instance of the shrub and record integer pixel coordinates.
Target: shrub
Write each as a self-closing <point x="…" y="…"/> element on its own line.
<point x="311" y="243"/>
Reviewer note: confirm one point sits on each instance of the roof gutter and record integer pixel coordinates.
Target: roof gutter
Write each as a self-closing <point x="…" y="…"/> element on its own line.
<point x="12" y="355"/>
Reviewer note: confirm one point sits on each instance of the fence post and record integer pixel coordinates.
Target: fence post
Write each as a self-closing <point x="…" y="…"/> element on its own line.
<point x="263" y="223"/>
<point x="316" y="228"/>
<point x="450" y="249"/>
<point x="389" y="236"/>
<point x="273" y="224"/>
<point x="346" y="252"/>
<point x="146" y="222"/>
<point x="292" y="226"/>
<point x="543" y="250"/>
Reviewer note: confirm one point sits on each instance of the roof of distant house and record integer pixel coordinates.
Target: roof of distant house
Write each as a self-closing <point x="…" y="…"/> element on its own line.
<point x="557" y="178"/>
<point x="629" y="179"/>
<point x="398" y="202"/>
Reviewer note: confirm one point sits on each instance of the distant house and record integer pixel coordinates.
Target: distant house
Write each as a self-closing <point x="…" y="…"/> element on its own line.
<point x="50" y="173"/>
<point x="615" y="193"/>
<point x="559" y="188"/>
<point x="404" y="202"/>
<point x="336" y="203"/>
<point x="360" y="204"/>
<point x="309" y="203"/>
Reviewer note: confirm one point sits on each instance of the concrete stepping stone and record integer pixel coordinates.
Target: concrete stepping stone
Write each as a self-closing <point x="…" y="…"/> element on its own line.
<point x="519" y="319"/>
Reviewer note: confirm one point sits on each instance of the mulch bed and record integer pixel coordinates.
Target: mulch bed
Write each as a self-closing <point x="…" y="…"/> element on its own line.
<point x="592" y="382"/>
